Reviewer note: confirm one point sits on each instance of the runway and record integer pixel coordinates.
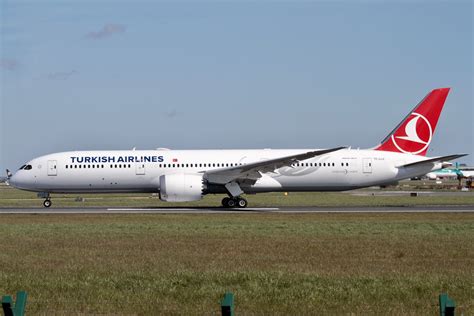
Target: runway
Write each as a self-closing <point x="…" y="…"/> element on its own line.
<point x="251" y="210"/>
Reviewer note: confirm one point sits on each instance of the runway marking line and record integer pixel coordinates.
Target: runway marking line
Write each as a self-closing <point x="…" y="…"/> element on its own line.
<point x="190" y="209"/>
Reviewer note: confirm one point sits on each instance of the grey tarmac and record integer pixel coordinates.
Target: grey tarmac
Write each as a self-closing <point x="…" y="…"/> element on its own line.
<point x="250" y="210"/>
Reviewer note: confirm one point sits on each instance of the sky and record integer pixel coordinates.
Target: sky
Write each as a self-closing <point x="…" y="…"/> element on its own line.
<point x="86" y="75"/>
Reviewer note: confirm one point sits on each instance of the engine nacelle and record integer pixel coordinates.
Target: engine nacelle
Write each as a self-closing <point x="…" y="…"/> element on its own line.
<point x="181" y="187"/>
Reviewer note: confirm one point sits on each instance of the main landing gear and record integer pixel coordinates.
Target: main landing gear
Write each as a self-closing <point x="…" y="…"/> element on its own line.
<point x="234" y="202"/>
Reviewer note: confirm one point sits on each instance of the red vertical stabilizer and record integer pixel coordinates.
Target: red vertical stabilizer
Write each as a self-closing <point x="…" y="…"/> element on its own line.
<point x="414" y="134"/>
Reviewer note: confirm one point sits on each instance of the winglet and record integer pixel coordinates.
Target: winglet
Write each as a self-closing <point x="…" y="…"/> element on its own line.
<point x="414" y="133"/>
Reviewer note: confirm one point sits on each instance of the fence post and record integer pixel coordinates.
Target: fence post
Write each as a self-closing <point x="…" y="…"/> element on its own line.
<point x="446" y="305"/>
<point x="7" y="305"/>
<point x="20" y="304"/>
<point x="227" y="304"/>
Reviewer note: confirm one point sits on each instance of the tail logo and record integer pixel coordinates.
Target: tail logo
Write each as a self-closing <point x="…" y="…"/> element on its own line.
<point x="411" y="142"/>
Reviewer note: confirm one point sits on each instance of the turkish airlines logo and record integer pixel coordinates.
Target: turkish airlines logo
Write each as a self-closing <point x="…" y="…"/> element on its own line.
<point x="411" y="142"/>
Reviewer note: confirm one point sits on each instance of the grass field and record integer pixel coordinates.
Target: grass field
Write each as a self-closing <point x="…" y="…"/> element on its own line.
<point x="10" y="197"/>
<point x="276" y="264"/>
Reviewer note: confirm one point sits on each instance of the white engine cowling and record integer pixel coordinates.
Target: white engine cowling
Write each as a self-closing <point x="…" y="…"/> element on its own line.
<point x="181" y="187"/>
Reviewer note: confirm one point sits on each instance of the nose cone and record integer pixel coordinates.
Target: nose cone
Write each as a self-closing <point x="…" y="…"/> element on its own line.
<point x="13" y="181"/>
<point x="20" y="180"/>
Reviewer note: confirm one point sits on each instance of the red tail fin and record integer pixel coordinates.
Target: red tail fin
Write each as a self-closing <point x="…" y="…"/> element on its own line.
<point x="414" y="134"/>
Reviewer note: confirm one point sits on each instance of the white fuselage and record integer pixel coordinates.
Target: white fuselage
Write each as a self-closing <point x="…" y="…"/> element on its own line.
<point x="140" y="171"/>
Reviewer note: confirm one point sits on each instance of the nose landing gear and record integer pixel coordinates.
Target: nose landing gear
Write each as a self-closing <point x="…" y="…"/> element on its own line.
<point x="45" y="195"/>
<point x="47" y="203"/>
<point x="236" y="202"/>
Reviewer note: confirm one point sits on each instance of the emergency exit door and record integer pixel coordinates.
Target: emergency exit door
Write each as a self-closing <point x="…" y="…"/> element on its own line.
<point x="140" y="168"/>
<point x="367" y="165"/>
<point x="52" y="168"/>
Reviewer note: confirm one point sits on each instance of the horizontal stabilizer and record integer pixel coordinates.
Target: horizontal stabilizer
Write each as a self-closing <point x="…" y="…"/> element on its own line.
<point x="433" y="160"/>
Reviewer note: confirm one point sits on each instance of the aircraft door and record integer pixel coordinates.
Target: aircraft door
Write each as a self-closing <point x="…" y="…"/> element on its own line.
<point x="367" y="165"/>
<point x="140" y="168"/>
<point x="52" y="168"/>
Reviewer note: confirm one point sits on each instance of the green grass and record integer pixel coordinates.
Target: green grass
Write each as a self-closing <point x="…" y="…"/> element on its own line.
<point x="276" y="264"/>
<point x="10" y="197"/>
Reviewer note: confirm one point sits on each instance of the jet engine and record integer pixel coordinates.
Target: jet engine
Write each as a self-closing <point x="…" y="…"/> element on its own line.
<point x="181" y="187"/>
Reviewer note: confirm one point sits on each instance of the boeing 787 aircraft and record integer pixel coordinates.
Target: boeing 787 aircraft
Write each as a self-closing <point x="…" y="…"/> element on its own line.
<point x="188" y="175"/>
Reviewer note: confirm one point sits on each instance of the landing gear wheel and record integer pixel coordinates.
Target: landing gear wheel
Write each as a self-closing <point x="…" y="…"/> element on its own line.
<point x="225" y="202"/>
<point x="242" y="203"/>
<point x="47" y="203"/>
<point x="231" y="203"/>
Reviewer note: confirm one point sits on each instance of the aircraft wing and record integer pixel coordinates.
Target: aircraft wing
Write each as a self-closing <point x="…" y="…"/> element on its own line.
<point x="432" y="160"/>
<point x="253" y="171"/>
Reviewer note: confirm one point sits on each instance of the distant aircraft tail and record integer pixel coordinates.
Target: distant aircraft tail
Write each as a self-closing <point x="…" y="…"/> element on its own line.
<point x="414" y="133"/>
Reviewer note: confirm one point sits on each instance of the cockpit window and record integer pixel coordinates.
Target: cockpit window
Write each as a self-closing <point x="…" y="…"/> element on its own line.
<point x="28" y="167"/>
<point x="22" y="167"/>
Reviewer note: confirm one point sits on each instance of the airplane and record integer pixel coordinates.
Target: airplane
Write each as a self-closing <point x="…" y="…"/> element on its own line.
<point x="443" y="174"/>
<point x="188" y="175"/>
<point x="467" y="173"/>
<point x="457" y="172"/>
